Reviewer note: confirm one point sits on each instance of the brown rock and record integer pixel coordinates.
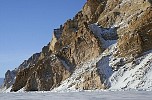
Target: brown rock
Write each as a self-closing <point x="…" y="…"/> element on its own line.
<point x="10" y="75"/>
<point x="74" y="43"/>
<point x="133" y="25"/>
<point x="91" y="81"/>
<point x="92" y="9"/>
<point x="78" y="46"/>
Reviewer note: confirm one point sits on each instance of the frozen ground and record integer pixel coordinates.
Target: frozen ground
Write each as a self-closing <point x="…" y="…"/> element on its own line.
<point x="104" y="95"/>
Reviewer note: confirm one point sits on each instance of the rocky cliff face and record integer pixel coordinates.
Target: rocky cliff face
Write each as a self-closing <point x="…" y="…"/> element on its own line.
<point x="133" y="19"/>
<point x="10" y="76"/>
<point x="90" y="50"/>
<point x="72" y="44"/>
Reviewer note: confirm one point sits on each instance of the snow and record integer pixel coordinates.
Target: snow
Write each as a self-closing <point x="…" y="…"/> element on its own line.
<point x="75" y="78"/>
<point x="125" y="1"/>
<point x="100" y="32"/>
<point x="119" y="74"/>
<point x="105" y="70"/>
<point x="4" y="90"/>
<point x="69" y="84"/>
<point x="84" y="95"/>
<point x="134" y="75"/>
<point x="8" y="90"/>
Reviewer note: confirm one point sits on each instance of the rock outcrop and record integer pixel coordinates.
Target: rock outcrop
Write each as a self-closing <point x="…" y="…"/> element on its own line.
<point x="134" y="24"/>
<point x="10" y="76"/>
<point x="72" y="44"/>
<point x="44" y="75"/>
<point x="85" y="38"/>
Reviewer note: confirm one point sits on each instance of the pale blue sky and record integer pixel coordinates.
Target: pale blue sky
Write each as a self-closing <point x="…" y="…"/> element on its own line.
<point x="26" y="26"/>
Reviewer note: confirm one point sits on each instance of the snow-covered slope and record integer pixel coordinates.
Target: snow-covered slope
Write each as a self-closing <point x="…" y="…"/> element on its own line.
<point x="105" y="69"/>
<point x="128" y="73"/>
<point x="103" y="47"/>
<point x="134" y="75"/>
<point x="118" y="73"/>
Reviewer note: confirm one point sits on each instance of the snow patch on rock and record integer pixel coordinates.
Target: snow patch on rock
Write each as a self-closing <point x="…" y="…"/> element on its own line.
<point x="107" y="36"/>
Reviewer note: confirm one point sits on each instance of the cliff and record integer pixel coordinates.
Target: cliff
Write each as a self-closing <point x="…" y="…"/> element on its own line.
<point x="103" y="42"/>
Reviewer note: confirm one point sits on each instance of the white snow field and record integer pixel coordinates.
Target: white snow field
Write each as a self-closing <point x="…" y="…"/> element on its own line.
<point x="94" y="95"/>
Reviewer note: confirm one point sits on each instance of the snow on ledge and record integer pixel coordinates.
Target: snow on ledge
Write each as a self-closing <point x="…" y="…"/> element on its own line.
<point x="100" y="32"/>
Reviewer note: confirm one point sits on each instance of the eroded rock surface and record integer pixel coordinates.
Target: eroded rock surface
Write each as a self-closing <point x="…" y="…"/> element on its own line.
<point x="83" y="38"/>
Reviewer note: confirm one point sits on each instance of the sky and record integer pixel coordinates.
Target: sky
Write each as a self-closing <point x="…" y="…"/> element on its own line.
<point x="27" y="25"/>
